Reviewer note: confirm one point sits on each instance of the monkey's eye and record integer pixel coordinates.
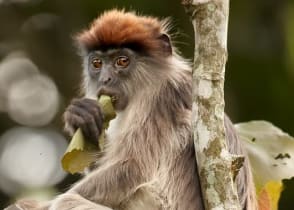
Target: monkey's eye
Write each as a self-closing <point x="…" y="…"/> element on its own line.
<point x="97" y="63"/>
<point x="122" y="61"/>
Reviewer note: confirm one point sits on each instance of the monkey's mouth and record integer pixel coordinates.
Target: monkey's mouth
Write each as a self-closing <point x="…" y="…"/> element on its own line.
<point x="109" y="92"/>
<point x="119" y="98"/>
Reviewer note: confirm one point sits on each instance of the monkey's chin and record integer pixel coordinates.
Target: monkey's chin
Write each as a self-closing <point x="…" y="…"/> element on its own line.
<point x="118" y="98"/>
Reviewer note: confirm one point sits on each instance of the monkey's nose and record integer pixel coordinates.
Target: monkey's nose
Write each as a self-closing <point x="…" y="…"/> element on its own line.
<point x="107" y="80"/>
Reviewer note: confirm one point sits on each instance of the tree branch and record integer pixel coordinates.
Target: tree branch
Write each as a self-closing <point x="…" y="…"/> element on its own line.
<point x="210" y="22"/>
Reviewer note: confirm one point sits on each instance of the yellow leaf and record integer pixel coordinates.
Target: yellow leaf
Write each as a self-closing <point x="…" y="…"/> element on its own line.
<point x="79" y="154"/>
<point x="264" y="200"/>
<point x="269" y="196"/>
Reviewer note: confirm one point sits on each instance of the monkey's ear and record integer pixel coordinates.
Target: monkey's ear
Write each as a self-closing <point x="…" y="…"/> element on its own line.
<point x="166" y="44"/>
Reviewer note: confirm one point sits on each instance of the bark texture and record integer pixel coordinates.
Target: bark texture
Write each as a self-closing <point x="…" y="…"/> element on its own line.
<point x="210" y="21"/>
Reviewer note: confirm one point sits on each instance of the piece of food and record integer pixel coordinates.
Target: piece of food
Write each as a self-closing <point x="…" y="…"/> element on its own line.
<point x="81" y="153"/>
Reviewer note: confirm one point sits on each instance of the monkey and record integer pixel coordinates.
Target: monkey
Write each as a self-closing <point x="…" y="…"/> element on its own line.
<point x="148" y="161"/>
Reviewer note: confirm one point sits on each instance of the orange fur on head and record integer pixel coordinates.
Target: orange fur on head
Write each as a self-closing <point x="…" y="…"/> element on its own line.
<point x="116" y="28"/>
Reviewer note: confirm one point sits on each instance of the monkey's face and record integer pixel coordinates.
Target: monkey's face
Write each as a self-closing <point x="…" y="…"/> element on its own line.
<point x="126" y="55"/>
<point x="109" y="72"/>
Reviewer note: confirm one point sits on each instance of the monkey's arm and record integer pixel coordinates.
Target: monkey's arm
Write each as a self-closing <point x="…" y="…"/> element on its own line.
<point x="109" y="185"/>
<point x="28" y="204"/>
<point x="70" y="202"/>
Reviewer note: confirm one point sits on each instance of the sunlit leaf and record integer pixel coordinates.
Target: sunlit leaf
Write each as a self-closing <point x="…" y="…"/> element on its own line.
<point x="270" y="150"/>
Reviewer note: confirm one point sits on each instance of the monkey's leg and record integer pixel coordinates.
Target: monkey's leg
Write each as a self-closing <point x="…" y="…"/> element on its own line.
<point x="70" y="201"/>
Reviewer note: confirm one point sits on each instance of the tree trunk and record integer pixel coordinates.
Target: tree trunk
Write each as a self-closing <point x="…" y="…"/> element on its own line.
<point x="210" y="21"/>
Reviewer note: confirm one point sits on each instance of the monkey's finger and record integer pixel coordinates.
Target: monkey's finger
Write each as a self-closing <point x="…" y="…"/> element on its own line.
<point x="86" y="103"/>
<point x="83" y="119"/>
<point x="70" y="122"/>
<point x="94" y="131"/>
<point x="78" y="101"/>
<point x="75" y="121"/>
<point x="89" y="101"/>
<point x="93" y="109"/>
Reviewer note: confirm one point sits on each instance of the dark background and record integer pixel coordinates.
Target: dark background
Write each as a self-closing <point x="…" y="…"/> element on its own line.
<point x="260" y="70"/>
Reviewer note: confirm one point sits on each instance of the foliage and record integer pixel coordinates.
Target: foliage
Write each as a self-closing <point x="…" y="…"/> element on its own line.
<point x="271" y="153"/>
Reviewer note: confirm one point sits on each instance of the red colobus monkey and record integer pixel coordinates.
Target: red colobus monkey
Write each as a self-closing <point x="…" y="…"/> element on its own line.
<point x="149" y="160"/>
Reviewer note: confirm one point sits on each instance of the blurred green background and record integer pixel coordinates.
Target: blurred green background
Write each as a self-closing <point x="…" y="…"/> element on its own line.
<point x="35" y="35"/>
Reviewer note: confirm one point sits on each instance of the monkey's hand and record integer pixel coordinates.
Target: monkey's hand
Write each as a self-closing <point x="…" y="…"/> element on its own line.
<point x="86" y="114"/>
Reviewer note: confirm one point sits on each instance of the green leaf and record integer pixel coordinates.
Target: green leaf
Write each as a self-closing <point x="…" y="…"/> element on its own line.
<point x="81" y="153"/>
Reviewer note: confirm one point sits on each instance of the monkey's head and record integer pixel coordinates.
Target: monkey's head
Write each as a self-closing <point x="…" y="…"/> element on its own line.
<point x="123" y="54"/>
